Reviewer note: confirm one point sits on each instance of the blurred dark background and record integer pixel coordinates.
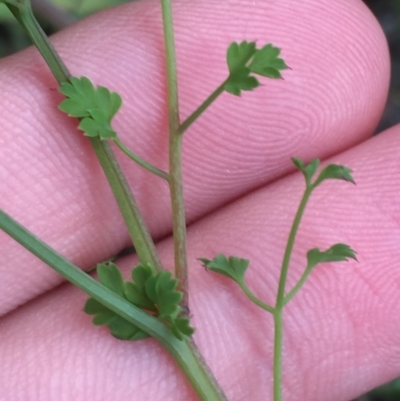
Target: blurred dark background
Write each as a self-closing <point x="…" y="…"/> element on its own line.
<point x="56" y="14"/>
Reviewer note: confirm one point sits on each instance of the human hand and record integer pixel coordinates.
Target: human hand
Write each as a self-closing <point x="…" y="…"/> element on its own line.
<point x="341" y="331"/>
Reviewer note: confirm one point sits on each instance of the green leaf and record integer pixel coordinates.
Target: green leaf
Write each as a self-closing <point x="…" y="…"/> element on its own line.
<point x="233" y="267"/>
<point x="241" y="80"/>
<point x="110" y="275"/>
<point x="244" y="59"/>
<point x="135" y="291"/>
<point x="334" y="171"/>
<point x="124" y="330"/>
<point x="181" y="328"/>
<point x="161" y="289"/>
<point x="154" y="293"/>
<point x="267" y="63"/>
<point x="97" y="106"/>
<point x="97" y="125"/>
<point x="336" y="253"/>
<point x="92" y="307"/>
<point x="80" y="94"/>
<point x="307" y="170"/>
<point x="238" y="55"/>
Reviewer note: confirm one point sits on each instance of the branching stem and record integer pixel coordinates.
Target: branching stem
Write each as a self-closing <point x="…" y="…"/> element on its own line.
<point x="280" y="299"/>
<point x="136" y="226"/>
<point x="254" y="299"/>
<point x="184" y="353"/>
<point x="175" y="157"/>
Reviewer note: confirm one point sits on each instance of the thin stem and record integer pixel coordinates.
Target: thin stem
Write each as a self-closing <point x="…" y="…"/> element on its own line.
<point x="136" y="227"/>
<point x="201" y="109"/>
<point x="184" y="353"/>
<point x="140" y="161"/>
<point x="289" y="246"/>
<point x="26" y="18"/>
<point x="175" y="157"/>
<point x="280" y="299"/>
<point x="134" y="221"/>
<point x="297" y="287"/>
<point x="278" y="348"/>
<point x="256" y="300"/>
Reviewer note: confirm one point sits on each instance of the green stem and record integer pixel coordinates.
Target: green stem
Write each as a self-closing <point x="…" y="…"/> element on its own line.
<point x="134" y="221"/>
<point x="201" y="109"/>
<point x="140" y="161"/>
<point x="136" y="227"/>
<point x="184" y="353"/>
<point x="175" y="183"/>
<point x="256" y="300"/>
<point x="290" y="244"/>
<point x="175" y="157"/>
<point x="280" y="299"/>
<point x="25" y="17"/>
<point x="297" y="287"/>
<point x="278" y="351"/>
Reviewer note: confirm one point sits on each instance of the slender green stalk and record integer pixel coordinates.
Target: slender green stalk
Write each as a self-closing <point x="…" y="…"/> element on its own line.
<point x="256" y="300"/>
<point x="175" y="157"/>
<point x="290" y="244"/>
<point x="134" y="221"/>
<point x="280" y="299"/>
<point x="297" y="287"/>
<point x="184" y="353"/>
<point x="140" y="161"/>
<point x="25" y="17"/>
<point x="201" y="109"/>
<point x="136" y="227"/>
<point x="278" y="347"/>
<point x="175" y="178"/>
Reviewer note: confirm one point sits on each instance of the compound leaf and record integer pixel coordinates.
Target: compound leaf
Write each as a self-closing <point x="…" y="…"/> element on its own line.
<point x="336" y="253"/>
<point x="244" y="59"/>
<point x="233" y="267"/>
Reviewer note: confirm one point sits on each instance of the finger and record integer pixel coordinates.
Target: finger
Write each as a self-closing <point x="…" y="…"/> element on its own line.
<point x="340" y="334"/>
<point x="52" y="183"/>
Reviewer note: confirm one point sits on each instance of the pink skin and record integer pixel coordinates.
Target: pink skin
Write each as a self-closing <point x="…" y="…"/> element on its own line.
<point x="341" y="332"/>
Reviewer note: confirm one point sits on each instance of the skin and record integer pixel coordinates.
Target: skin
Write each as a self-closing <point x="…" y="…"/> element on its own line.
<point x="341" y="331"/>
